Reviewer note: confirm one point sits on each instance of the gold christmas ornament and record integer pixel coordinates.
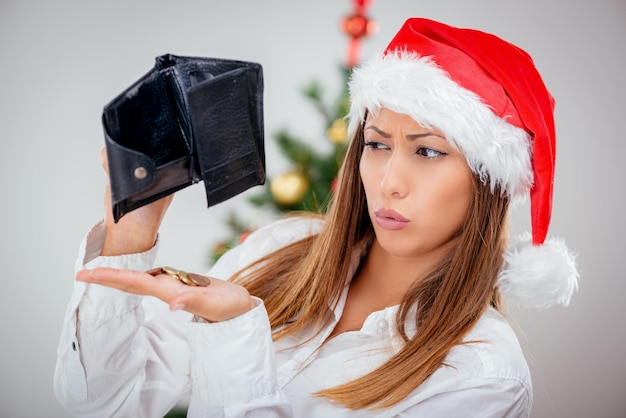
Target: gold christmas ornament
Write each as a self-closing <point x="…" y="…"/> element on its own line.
<point x="289" y="188"/>
<point x="338" y="131"/>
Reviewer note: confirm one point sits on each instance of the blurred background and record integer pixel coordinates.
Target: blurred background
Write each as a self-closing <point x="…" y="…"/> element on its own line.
<point x="62" y="61"/>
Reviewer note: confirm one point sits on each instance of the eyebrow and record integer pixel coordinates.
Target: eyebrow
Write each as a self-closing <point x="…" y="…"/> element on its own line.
<point x="410" y="137"/>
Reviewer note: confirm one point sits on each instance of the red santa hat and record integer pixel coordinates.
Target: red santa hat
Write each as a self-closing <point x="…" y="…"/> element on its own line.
<point x="486" y="96"/>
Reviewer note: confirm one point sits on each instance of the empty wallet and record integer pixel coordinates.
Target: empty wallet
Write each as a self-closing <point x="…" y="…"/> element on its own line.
<point x="187" y="120"/>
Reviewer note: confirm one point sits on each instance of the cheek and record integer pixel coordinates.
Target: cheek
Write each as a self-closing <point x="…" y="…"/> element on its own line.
<point x="370" y="171"/>
<point x="366" y="172"/>
<point x="454" y="201"/>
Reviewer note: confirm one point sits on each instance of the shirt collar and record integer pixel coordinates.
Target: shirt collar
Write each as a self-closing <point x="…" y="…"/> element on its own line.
<point x="381" y="323"/>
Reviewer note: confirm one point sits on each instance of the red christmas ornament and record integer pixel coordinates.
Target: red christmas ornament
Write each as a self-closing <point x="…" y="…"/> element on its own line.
<point x="357" y="26"/>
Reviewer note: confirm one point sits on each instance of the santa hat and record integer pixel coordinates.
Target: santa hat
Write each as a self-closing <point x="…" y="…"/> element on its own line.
<point x="486" y="96"/>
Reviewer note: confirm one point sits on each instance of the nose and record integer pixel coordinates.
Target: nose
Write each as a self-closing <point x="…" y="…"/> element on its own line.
<point x="396" y="176"/>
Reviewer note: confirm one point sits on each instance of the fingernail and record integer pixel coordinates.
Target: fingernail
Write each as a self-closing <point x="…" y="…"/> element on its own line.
<point x="83" y="275"/>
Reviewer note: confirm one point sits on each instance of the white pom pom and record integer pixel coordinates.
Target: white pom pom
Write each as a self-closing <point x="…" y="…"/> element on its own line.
<point x="538" y="276"/>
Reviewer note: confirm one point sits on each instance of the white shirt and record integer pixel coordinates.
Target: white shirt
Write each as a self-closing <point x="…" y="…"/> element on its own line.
<point x="124" y="355"/>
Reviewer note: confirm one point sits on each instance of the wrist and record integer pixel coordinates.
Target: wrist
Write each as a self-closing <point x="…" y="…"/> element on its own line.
<point x="124" y="242"/>
<point x="252" y="304"/>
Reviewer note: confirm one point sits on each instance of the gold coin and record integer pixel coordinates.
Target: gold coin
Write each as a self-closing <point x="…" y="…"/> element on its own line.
<point x="199" y="280"/>
<point x="183" y="276"/>
<point x="155" y="271"/>
<point x="190" y="279"/>
<point x="170" y="271"/>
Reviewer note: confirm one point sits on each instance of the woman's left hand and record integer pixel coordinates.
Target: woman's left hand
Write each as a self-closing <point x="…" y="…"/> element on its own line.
<point x="219" y="301"/>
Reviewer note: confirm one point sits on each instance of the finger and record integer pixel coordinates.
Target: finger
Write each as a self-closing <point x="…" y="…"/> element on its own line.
<point x="126" y="280"/>
<point x="136" y="282"/>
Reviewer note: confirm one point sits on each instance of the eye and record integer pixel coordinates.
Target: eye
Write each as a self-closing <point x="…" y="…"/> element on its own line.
<point x="429" y="152"/>
<point x="375" y="145"/>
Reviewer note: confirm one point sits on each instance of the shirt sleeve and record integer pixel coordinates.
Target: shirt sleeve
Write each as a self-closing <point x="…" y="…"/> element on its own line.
<point x="233" y="368"/>
<point x="119" y="354"/>
<point x="127" y="355"/>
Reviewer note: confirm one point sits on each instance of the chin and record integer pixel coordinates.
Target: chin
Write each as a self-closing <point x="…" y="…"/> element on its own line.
<point x="393" y="243"/>
<point x="402" y="244"/>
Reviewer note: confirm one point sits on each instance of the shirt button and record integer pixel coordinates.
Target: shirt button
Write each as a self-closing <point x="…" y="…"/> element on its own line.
<point x="74" y="346"/>
<point x="382" y="324"/>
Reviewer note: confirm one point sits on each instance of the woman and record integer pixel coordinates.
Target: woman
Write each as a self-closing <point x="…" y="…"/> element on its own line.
<point x="389" y="305"/>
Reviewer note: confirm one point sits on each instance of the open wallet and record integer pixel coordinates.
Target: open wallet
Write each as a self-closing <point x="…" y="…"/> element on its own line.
<point x="187" y="120"/>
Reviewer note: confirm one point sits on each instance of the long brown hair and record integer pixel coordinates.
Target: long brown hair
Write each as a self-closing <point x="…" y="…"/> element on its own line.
<point x="298" y="282"/>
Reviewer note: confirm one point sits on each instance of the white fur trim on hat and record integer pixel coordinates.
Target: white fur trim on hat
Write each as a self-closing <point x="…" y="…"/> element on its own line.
<point x="414" y="85"/>
<point x="538" y="276"/>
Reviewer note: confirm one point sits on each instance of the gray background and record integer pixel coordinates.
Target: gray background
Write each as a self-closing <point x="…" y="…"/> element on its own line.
<point x="61" y="61"/>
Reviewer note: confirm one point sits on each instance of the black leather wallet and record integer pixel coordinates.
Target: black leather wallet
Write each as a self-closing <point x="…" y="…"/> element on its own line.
<point x="188" y="119"/>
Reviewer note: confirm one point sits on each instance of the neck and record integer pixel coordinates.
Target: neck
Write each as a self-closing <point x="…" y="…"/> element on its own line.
<point x="390" y="277"/>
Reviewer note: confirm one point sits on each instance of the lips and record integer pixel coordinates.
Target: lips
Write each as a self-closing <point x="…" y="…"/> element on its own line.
<point x="390" y="219"/>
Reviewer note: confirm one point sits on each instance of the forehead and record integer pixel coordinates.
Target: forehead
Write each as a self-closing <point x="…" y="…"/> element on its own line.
<point x="387" y="121"/>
